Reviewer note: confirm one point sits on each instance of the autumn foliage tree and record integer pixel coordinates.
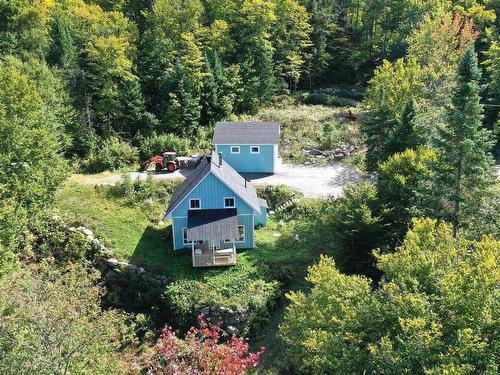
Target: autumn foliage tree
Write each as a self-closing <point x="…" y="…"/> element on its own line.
<point x="201" y="352"/>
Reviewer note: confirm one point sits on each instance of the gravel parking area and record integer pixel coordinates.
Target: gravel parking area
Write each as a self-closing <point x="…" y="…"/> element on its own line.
<point x="312" y="181"/>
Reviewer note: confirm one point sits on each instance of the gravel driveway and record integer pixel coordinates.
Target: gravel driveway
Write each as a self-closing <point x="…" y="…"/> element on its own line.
<point x="312" y="181"/>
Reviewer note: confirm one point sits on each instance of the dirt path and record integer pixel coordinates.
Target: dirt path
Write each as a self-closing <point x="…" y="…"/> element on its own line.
<point x="312" y="181"/>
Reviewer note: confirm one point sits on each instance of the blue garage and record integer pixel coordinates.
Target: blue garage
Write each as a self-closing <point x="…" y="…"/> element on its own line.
<point x="249" y="147"/>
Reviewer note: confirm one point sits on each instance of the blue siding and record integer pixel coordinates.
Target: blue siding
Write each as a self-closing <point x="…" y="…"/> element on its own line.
<point x="177" y="224"/>
<point x="212" y="192"/>
<point x="261" y="219"/>
<point x="246" y="162"/>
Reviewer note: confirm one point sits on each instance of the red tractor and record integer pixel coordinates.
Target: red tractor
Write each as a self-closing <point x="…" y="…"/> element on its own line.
<point x="161" y="162"/>
<point x="170" y="162"/>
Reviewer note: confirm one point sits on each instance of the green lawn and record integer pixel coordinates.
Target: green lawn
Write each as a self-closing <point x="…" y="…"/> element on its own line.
<point x="134" y="234"/>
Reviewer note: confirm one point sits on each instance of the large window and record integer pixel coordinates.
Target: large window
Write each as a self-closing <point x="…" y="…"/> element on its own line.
<point x="229" y="202"/>
<point x="194" y="204"/>
<point x="241" y="233"/>
<point x="235" y="149"/>
<point x="185" y="237"/>
<point x="255" y="149"/>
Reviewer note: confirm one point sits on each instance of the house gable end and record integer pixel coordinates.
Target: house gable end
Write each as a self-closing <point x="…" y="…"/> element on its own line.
<point x="212" y="192"/>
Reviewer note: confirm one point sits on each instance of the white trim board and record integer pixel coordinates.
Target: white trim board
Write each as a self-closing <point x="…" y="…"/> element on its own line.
<point x="234" y="202"/>
<point x="246" y="144"/>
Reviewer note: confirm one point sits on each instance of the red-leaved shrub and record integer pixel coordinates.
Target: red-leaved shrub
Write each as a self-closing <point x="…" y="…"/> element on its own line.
<point x="201" y="353"/>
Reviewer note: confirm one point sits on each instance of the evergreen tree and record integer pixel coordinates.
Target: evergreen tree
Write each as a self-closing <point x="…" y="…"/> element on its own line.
<point x="387" y="101"/>
<point x="465" y="173"/>
<point x="405" y="136"/>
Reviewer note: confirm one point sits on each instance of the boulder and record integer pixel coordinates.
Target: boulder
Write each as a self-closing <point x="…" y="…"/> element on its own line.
<point x="315" y="151"/>
<point x="232" y="330"/>
<point x="112" y="262"/>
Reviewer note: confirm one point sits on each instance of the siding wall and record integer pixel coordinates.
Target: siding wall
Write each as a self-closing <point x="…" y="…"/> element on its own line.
<point x="212" y="192"/>
<point x="263" y="162"/>
<point x="262" y="218"/>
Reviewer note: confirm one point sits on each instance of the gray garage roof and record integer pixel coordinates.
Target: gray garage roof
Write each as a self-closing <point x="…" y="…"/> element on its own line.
<point x="212" y="225"/>
<point x="257" y="133"/>
<point x="224" y="172"/>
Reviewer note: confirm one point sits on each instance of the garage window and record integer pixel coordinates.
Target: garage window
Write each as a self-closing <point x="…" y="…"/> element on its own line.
<point x="255" y="149"/>
<point x="235" y="149"/>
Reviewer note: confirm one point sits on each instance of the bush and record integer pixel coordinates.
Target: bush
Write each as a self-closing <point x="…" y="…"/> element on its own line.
<point x="49" y="239"/>
<point x="158" y="144"/>
<point x="239" y="288"/>
<point x="203" y="348"/>
<point x="332" y="97"/>
<point x="277" y="195"/>
<point x="332" y="136"/>
<point x="113" y="154"/>
<point x="143" y="191"/>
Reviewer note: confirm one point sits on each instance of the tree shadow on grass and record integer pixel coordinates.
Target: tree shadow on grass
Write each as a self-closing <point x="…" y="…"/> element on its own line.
<point x="154" y="251"/>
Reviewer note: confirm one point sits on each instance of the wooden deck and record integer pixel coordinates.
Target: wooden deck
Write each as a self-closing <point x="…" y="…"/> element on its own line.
<point x="209" y="258"/>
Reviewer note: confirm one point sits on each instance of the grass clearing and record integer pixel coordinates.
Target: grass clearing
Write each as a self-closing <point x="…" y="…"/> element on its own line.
<point x="135" y="234"/>
<point x="316" y="126"/>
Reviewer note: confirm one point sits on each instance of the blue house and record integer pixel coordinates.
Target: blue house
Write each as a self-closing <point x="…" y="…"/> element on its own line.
<point x="214" y="212"/>
<point x="249" y="147"/>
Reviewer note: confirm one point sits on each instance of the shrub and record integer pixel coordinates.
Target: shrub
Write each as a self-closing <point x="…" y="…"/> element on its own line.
<point x="158" y="144"/>
<point x="143" y="191"/>
<point x="240" y="288"/>
<point x="52" y="323"/>
<point x="332" y="97"/>
<point x="202" y="350"/>
<point x="49" y="239"/>
<point x="277" y="195"/>
<point x="112" y="155"/>
<point x="332" y="136"/>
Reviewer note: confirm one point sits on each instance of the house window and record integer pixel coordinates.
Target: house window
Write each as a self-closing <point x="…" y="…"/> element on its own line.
<point x="185" y="237"/>
<point x="241" y="233"/>
<point x="235" y="149"/>
<point x="194" y="204"/>
<point x="255" y="149"/>
<point x="229" y="202"/>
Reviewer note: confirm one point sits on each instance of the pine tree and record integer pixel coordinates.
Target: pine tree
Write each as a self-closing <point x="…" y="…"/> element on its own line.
<point x="405" y="136"/>
<point x="465" y="166"/>
<point x="210" y="95"/>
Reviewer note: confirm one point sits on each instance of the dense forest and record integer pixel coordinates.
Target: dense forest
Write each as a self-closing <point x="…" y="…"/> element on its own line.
<point x="399" y="275"/>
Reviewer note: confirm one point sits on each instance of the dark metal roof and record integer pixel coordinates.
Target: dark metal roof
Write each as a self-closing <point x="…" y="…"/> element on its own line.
<point x="246" y="133"/>
<point x="212" y="225"/>
<point x="224" y="172"/>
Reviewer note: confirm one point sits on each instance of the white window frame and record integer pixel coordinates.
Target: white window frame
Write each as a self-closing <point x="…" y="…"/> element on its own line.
<point x="195" y="199"/>
<point x="255" y="152"/>
<point x="234" y="202"/>
<point x="184" y="240"/>
<point x="244" y="235"/>
<point x="234" y="152"/>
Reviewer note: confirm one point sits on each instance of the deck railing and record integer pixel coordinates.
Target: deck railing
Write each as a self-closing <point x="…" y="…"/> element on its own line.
<point x="221" y="257"/>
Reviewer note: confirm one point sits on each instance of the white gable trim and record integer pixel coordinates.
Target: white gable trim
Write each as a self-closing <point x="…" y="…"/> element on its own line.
<point x="245" y="144"/>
